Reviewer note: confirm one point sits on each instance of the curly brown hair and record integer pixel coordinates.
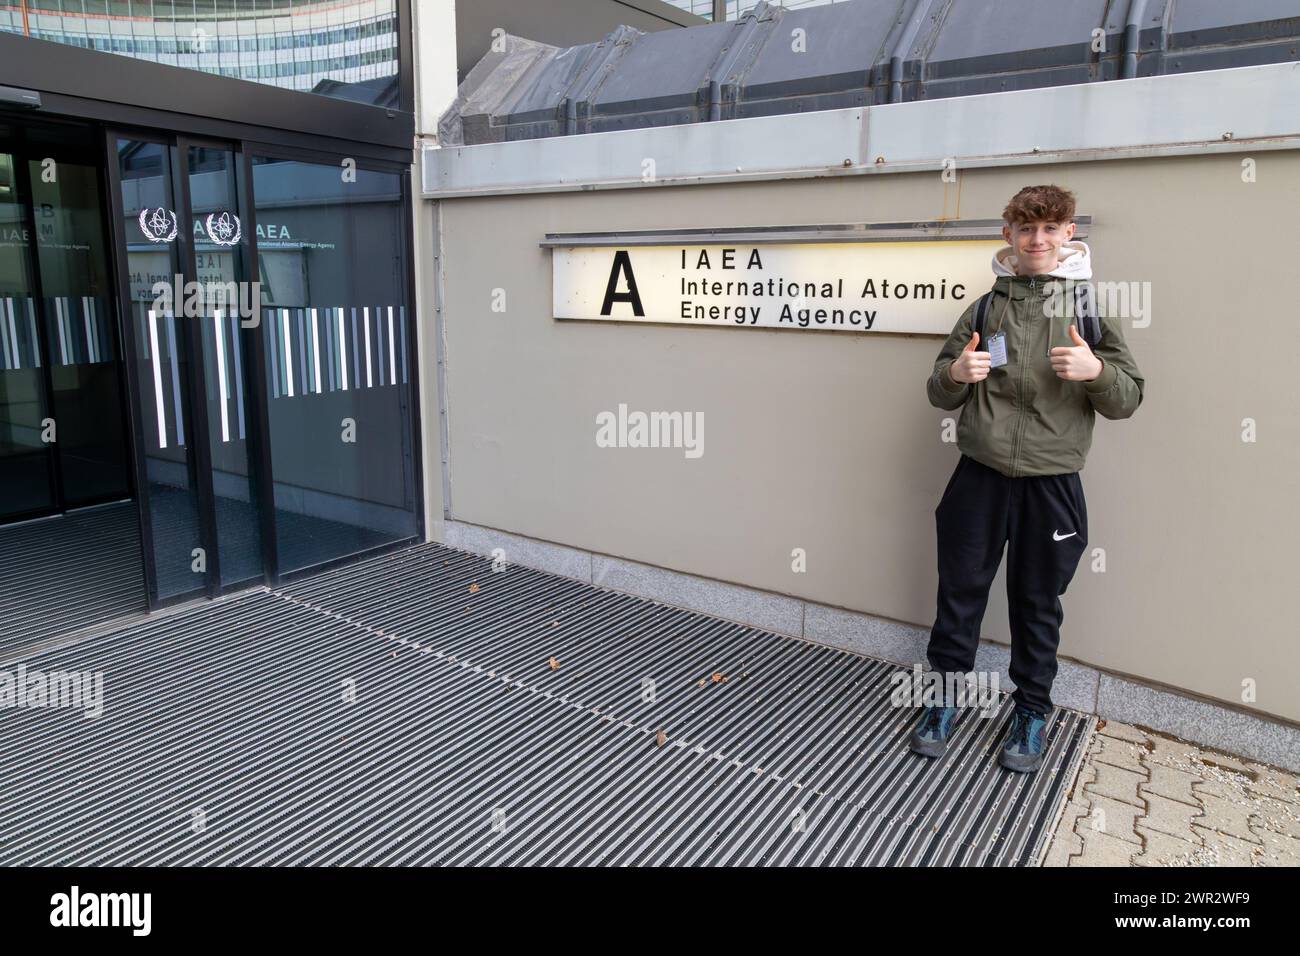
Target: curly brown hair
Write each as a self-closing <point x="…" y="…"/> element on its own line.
<point x="1040" y="204"/>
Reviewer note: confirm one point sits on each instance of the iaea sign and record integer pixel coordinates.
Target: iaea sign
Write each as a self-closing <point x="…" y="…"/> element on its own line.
<point x="871" y="286"/>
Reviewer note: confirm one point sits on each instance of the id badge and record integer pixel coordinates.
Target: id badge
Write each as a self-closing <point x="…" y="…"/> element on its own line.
<point x="997" y="349"/>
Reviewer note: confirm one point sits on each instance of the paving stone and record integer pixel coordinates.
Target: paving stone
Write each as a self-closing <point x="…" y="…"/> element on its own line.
<point x="1095" y="746"/>
<point x="1122" y="731"/>
<point x="1227" y="850"/>
<point x="1280" y="850"/>
<point x="1112" y="817"/>
<point x="1102" y="849"/>
<point x="1166" y="802"/>
<point x="1172" y="817"/>
<point x="1277" y="817"/>
<point x="1208" y="849"/>
<point x="1278" y="784"/>
<point x="1174" y="753"/>
<point x="1116" y="783"/>
<point x="1162" y="849"/>
<point x="1230" y="817"/>
<point x="1122" y="753"/>
<point x="1224" y="762"/>
<point x="1223" y="784"/>
<point x="1065" y="842"/>
<point x="1167" y="782"/>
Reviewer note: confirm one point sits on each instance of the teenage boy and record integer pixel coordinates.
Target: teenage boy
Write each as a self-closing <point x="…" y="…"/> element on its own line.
<point x="1028" y="387"/>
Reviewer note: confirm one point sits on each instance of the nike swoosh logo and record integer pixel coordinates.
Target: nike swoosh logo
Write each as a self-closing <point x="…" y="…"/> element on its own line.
<point x="1062" y="537"/>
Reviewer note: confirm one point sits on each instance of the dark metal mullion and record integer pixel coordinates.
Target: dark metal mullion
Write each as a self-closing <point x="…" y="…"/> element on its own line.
<point x="200" y="433"/>
<point x="23" y="186"/>
<point x="413" y="395"/>
<point x="131" y="361"/>
<point x="255" y="374"/>
<point x="106" y="182"/>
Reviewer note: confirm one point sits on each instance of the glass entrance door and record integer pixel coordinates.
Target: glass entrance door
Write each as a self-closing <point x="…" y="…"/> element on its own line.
<point x="185" y="258"/>
<point x="211" y="187"/>
<point x="62" y="436"/>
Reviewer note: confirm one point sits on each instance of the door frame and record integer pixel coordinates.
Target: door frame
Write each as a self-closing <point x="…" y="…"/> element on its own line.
<point x="257" y="427"/>
<point x="21" y="152"/>
<point x="107" y="122"/>
<point x="194" y="394"/>
<point x="257" y="408"/>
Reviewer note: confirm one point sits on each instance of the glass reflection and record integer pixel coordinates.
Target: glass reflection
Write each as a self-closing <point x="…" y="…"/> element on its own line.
<point x="80" y="332"/>
<point x="163" y="370"/>
<point x="26" y="475"/>
<point x="218" y="237"/>
<point x="339" y="358"/>
<point x="340" y="48"/>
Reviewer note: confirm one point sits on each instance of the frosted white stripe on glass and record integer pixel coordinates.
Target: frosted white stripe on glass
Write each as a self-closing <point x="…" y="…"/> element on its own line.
<point x="343" y="352"/>
<point x="94" y="324"/>
<point x="221" y="375"/>
<point x="90" y="336"/>
<point x="11" y="356"/>
<point x="392" y="350"/>
<point x="315" y="350"/>
<point x="288" y="353"/>
<point x="365" y="321"/>
<point x="4" y="336"/>
<point x="157" y="380"/>
<point x="59" y="316"/>
<point x="31" y="326"/>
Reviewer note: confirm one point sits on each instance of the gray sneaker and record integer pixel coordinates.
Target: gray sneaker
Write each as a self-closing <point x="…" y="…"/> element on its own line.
<point x="930" y="736"/>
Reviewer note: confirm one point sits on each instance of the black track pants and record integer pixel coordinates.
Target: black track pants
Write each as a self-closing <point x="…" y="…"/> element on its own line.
<point x="1044" y="521"/>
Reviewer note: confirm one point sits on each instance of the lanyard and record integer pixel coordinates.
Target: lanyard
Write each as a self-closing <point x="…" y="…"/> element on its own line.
<point x="1033" y="285"/>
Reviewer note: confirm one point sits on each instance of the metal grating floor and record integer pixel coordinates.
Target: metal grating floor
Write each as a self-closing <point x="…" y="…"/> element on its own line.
<point x="71" y="571"/>
<point x="226" y="738"/>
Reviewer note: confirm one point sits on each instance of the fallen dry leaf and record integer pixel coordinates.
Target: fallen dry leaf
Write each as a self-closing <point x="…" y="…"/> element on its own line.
<point x="661" y="738"/>
<point x="555" y="665"/>
<point x="473" y="588"/>
<point x="718" y="678"/>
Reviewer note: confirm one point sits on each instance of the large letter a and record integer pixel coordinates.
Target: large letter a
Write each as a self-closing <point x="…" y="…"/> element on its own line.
<point x="622" y="264"/>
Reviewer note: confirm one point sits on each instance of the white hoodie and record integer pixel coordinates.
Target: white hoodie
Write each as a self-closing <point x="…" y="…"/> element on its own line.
<point x="1074" y="261"/>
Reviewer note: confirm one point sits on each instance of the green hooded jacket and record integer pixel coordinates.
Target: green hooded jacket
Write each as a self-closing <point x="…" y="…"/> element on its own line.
<point x="1024" y="419"/>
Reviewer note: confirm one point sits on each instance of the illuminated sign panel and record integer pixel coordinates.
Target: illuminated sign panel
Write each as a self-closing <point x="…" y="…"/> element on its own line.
<point x="906" y="286"/>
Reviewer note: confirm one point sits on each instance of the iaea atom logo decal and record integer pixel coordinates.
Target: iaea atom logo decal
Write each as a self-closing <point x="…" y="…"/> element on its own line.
<point x="223" y="229"/>
<point x="158" y="224"/>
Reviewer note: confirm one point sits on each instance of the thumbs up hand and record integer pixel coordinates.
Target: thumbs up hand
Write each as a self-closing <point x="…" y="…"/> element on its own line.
<point x="971" y="366"/>
<point x="1075" y="363"/>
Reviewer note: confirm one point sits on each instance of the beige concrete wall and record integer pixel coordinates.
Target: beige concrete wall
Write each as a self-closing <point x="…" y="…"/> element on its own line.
<point x="825" y="441"/>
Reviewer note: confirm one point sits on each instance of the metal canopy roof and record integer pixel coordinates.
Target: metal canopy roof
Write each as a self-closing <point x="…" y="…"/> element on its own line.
<point x="860" y="53"/>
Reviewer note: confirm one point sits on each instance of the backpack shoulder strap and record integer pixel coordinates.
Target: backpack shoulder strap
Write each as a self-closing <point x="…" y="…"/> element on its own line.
<point x="981" y="315"/>
<point x="1085" y="312"/>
